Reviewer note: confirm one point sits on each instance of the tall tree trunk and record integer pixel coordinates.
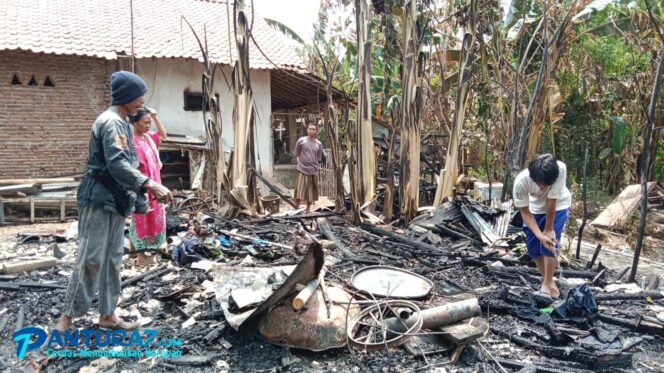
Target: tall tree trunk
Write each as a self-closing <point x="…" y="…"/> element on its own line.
<point x="448" y="176"/>
<point x="411" y="107"/>
<point x="243" y="113"/>
<point x="365" y="171"/>
<point x="647" y="139"/>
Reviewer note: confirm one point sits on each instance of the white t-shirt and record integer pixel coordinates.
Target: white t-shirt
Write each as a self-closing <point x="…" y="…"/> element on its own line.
<point x="527" y="193"/>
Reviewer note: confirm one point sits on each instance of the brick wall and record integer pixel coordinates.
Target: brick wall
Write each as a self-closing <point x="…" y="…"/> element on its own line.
<point x="44" y="131"/>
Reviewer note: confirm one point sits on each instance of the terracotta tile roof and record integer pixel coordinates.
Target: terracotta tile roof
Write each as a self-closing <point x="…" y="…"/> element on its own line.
<point x="102" y="28"/>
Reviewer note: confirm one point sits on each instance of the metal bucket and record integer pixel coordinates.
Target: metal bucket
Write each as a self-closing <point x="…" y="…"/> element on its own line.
<point x="271" y="202"/>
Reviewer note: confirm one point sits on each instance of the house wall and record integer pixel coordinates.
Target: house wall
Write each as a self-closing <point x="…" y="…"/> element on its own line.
<point x="167" y="81"/>
<point x="44" y="131"/>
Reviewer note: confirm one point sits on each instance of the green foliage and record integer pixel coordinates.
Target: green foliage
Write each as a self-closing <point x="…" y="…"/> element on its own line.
<point x="659" y="162"/>
<point x="614" y="56"/>
<point x="620" y="134"/>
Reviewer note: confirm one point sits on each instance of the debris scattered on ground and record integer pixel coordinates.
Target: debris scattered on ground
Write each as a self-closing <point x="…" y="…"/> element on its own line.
<point x="452" y="289"/>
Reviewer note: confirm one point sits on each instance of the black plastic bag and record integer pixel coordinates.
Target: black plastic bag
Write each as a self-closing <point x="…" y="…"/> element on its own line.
<point x="580" y="305"/>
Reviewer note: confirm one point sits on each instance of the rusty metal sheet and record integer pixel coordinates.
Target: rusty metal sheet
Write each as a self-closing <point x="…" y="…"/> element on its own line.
<point x="311" y="329"/>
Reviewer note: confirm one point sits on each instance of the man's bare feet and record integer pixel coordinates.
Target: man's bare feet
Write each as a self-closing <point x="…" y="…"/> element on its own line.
<point x="63" y="324"/>
<point x="114" y="322"/>
<point x="108" y="319"/>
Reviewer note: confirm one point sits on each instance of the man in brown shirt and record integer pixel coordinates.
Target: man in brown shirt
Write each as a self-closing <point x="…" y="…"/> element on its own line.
<point x="309" y="152"/>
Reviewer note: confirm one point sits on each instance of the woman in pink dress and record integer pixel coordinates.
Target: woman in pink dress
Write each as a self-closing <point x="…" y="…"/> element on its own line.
<point x="148" y="230"/>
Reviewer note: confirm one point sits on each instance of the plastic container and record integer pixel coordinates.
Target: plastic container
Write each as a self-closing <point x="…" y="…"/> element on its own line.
<point x="271" y="202"/>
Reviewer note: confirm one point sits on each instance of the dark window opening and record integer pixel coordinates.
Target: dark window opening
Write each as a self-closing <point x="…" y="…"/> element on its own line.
<point x="33" y="81"/>
<point x="48" y="82"/>
<point x="16" y="80"/>
<point x="193" y="101"/>
<point x="175" y="171"/>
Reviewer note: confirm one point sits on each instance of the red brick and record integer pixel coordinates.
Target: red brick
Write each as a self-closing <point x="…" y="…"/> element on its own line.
<point x="44" y="131"/>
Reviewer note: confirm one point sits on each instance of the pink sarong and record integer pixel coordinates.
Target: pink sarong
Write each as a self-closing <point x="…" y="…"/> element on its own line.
<point x="148" y="231"/>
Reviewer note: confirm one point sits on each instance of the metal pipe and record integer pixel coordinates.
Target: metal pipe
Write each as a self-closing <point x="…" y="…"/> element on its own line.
<point x="433" y="318"/>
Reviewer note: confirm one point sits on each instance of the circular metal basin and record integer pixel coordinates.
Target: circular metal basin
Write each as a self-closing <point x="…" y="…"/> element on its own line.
<point x="385" y="281"/>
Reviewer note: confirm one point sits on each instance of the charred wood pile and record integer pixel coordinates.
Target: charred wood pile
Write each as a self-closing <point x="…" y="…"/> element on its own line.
<point x="452" y="290"/>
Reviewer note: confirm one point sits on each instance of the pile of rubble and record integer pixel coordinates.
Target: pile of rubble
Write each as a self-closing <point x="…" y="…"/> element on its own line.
<point x="313" y="292"/>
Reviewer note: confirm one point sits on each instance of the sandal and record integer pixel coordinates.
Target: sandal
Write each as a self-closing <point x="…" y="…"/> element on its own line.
<point x="542" y="299"/>
<point x="121" y="324"/>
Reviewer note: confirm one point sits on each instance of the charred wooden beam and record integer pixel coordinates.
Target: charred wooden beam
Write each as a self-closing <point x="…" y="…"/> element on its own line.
<point x="29" y="284"/>
<point x="159" y="270"/>
<point x="620" y="276"/>
<point x="273" y="188"/>
<point x="314" y="215"/>
<point x="555" y="367"/>
<point x="638" y="325"/>
<point x="591" y="263"/>
<point x="400" y="238"/>
<point x="326" y="228"/>
<point x="655" y="294"/>
<point x="443" y="229"/>
<point x="599" y="361"/>
<point x="534" y="271"/>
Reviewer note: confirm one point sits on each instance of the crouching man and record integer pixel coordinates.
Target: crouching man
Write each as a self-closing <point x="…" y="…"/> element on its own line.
<point x="542" y="196"/>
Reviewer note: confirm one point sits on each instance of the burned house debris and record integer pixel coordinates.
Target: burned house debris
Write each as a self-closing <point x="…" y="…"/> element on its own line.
<point x="412" y="258"/>
<point x="438" y="290"/>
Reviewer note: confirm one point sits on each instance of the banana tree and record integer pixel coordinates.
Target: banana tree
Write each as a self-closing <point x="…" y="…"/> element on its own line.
<point x="447" y="177"/>
<point x="412" y="102"/>
<point x="543" y="96"/>
<point x="364" y="180"/>
<point x="242" y="186"/>
<point x="215" y="166"/>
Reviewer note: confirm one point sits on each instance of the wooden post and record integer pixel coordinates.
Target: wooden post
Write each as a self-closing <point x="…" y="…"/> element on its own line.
<point x="32" y="210"/>
<point x="62" y="209"/>
<point x="585" y="204"/>
<point x="645" y="161"/>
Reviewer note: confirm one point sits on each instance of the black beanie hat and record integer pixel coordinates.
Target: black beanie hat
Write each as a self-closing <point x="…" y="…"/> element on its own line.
<point x="126" y="87"/>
